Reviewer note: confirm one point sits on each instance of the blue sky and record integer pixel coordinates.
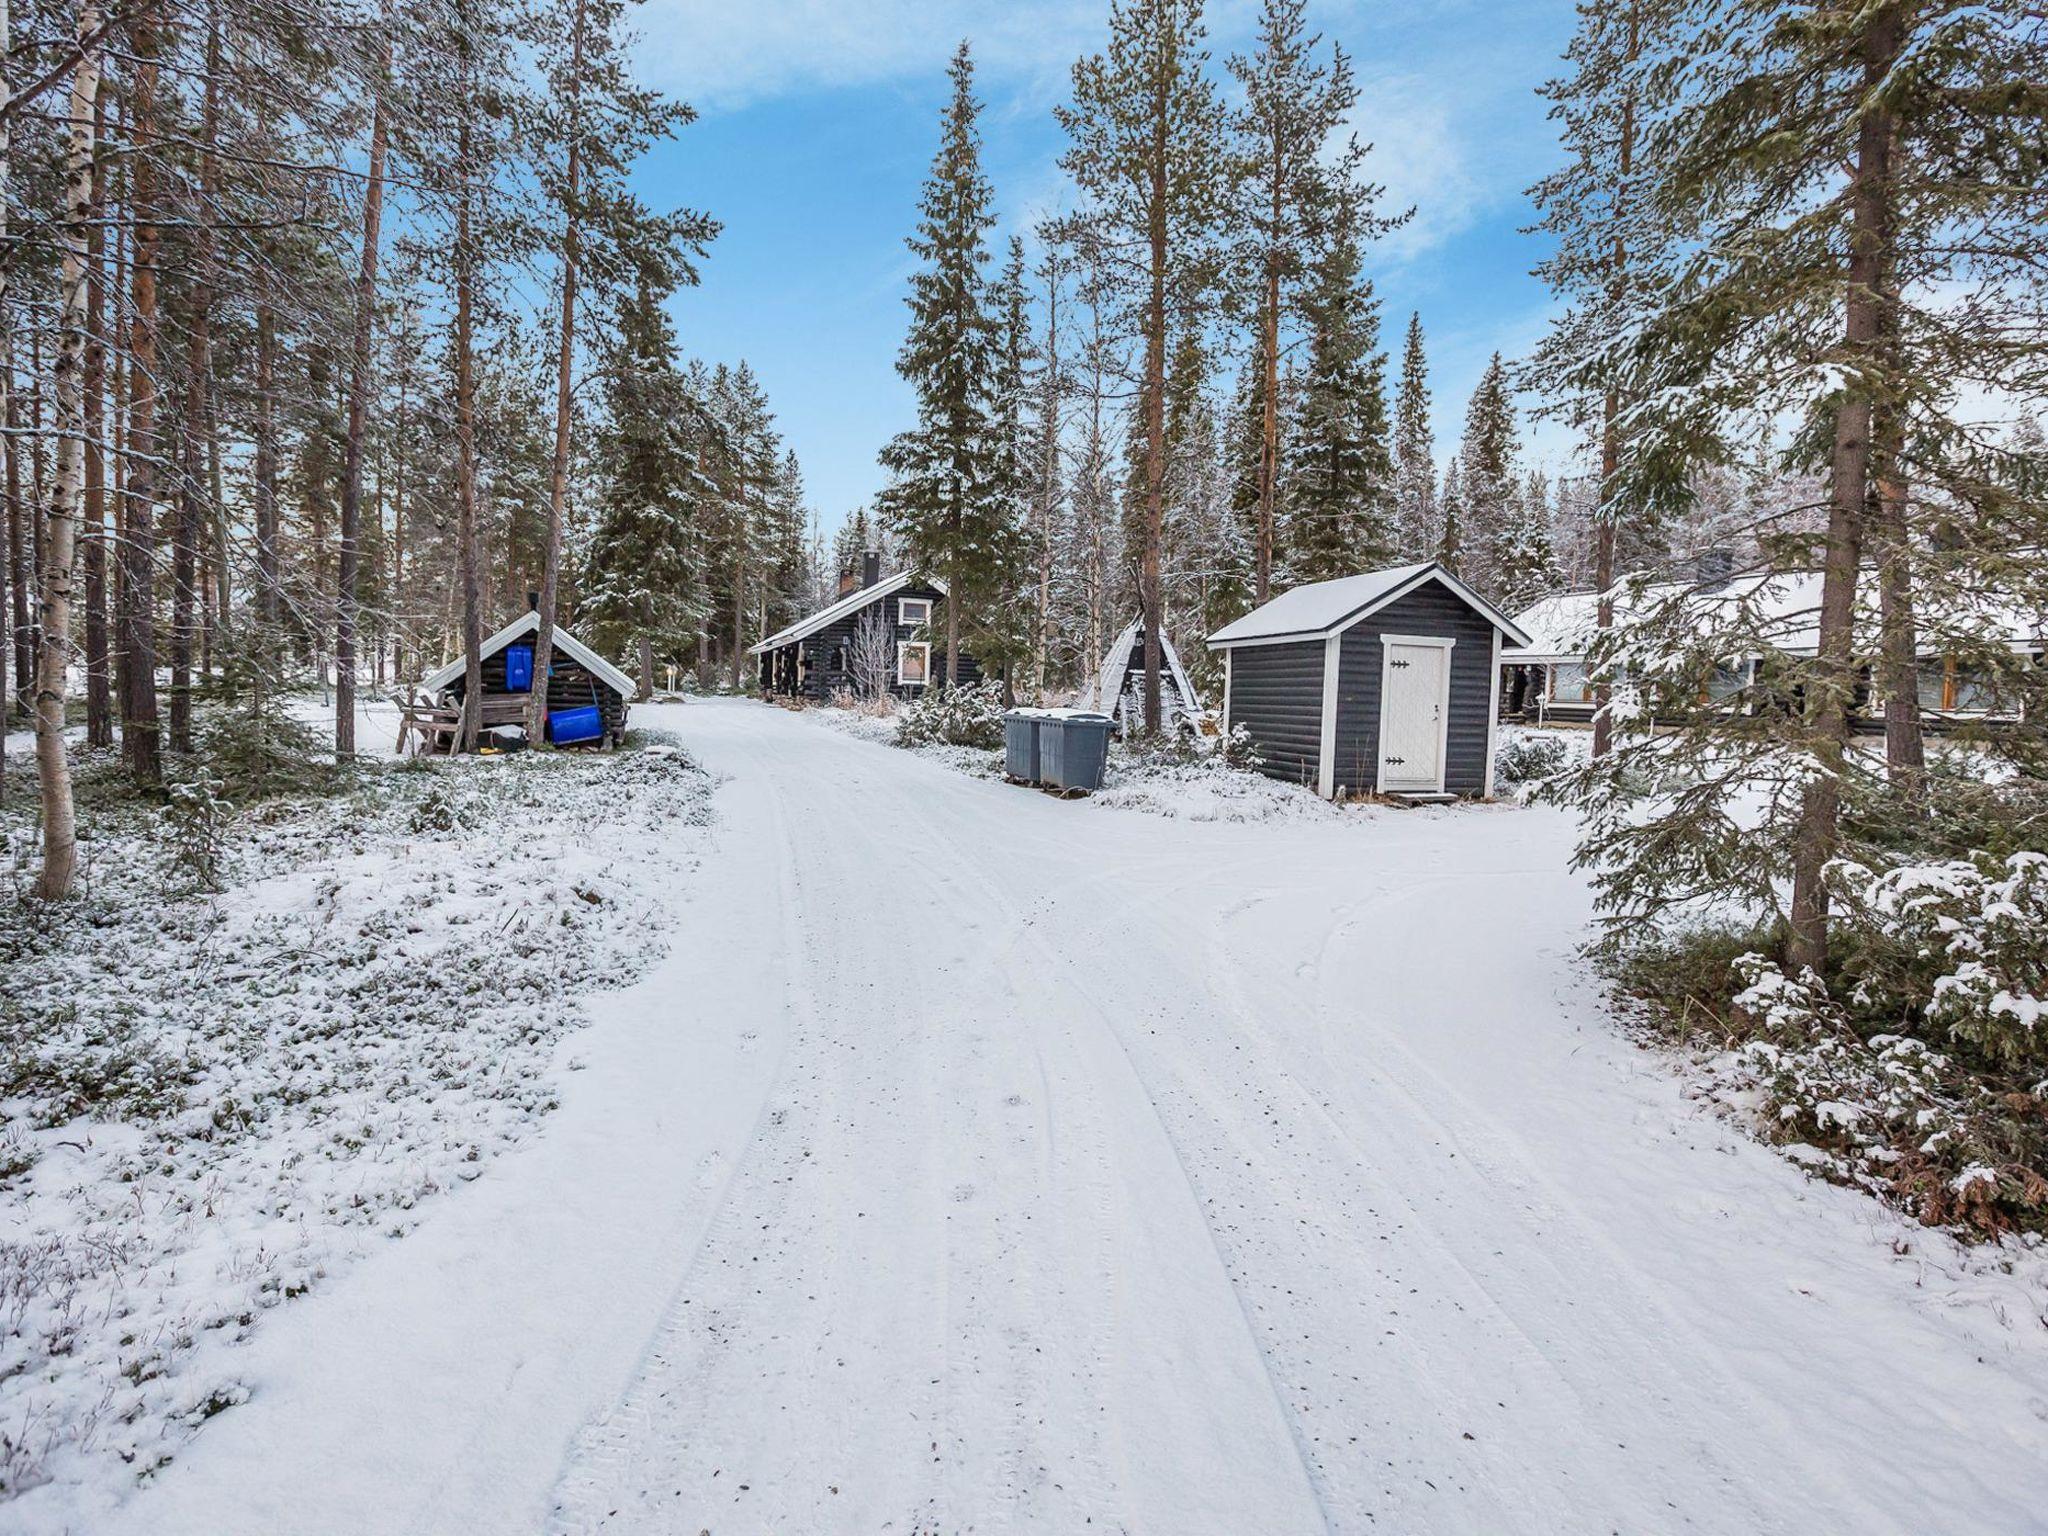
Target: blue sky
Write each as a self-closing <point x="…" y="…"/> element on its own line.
<point x="819" y="118"/>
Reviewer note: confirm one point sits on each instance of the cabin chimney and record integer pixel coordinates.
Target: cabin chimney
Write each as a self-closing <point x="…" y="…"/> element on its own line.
<point x="533" y="602"/>
<point x="870" y="568"/>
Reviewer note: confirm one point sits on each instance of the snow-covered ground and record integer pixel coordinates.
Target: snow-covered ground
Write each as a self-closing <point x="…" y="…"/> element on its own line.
<point x="977" y="1160"/>
<point x="214" y="1104"/>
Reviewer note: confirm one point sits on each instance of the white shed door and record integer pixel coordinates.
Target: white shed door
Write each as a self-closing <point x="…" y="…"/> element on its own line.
<point x="1414" y="696"/>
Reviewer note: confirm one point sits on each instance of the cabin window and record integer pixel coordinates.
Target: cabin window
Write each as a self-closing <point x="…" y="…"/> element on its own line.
<point x="1726" y="680"/>
<point x="914" y="663"/>
<point x="1569" y="684"/>
<point x="1952" y="687"/>
<point x="914" y="610"/>
<point x="838" y="663"/>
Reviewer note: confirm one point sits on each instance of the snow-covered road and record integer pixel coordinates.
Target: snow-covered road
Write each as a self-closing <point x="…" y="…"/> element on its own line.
<point x="984" y="1162"/>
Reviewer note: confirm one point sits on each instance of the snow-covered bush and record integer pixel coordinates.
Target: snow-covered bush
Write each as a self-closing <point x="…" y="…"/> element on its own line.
<point x="970" y="716"/>
<point x="1962" y="944"/>
<point x="1525" y="757"/>
<point x="1889" y="1112"/>
<point x="1238" y="750"/>
<point x="194" y="822"/>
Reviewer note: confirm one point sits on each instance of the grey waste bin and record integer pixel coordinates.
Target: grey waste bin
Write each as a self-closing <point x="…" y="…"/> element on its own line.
<point x="1020" y="744"/>
<point x="1073" y="749"/>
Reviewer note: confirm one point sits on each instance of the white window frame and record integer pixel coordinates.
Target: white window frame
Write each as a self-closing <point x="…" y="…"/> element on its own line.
<point x="903" y="647"/>
<point x="903" y="606"/>
<point x="1447" y="644"/>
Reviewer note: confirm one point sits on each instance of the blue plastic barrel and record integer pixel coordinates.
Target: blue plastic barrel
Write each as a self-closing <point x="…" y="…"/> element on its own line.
<point x="518" y="668"/>
<point x="572" y="725"/>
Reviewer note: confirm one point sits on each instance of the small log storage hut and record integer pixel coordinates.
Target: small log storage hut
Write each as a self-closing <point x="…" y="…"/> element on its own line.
<point x="579" y="682"/>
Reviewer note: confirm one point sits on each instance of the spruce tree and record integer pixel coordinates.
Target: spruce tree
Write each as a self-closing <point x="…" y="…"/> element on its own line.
<point x="1450" y="534"/>
<point x="1488" y="478"/>
<point x="642" y="582"/>
<point x="1845" y="172"/>
<point x="1340" y="504"/>
<point x="1415" y="511"/>
<point x="951" y="497"/>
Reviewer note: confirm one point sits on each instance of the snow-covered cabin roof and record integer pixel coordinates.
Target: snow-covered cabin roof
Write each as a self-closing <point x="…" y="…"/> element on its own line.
<point x="1325" y="608"/>
<point x="853" y="602"/>
<point x="526" y="624"/>
<point x="1107" y="690"/>
<point x="1783" y="612"/>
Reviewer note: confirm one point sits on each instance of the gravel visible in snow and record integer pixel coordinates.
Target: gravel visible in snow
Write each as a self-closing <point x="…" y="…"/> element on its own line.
<point x="212" y="1102"/>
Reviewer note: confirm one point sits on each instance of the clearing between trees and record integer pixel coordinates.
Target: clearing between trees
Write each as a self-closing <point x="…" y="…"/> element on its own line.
<point x="975" y="1158"/>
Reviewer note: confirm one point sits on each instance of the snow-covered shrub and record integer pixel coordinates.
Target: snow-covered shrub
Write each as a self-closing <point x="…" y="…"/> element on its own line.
<point x="194" y="822"/>
<point x="1889" y="1113"/>
<point x="970" y="716"/>
<point x="1962" y="944"/>
<point x="1239" y="750"/>
<point x="261" y="748"/>
<point x="1525" y="757"/>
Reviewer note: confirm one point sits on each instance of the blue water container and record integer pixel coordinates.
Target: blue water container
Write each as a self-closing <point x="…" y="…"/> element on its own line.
<point x="566" y="726"/>
<point x="518" y="668"/>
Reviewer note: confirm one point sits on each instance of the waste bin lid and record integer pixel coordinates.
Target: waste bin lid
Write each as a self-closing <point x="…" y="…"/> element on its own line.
<point x="1073" y="714"/>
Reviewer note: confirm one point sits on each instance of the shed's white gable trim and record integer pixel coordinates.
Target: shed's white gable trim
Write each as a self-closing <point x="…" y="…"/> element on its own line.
<point x="526" y="624"/>
<point x="1326" y="608"/>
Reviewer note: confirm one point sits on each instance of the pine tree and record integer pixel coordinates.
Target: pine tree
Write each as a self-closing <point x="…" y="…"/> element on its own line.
<point x="951" y="497"/>
<point x="596" y="123"/>
<point x="1290" y="194"/>
<point x="1415" y="511"/>
<point x="1147" y="133"/>
<point x="1340" y="503"/>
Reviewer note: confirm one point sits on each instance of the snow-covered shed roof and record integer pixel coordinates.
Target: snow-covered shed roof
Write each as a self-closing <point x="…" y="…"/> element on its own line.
<point x="1783" y="611"/>
<point x="1324" y="608"/>
<point x="526" y="624"/>
<point x="1107" y="690"/>
<point x="853" y="602"/>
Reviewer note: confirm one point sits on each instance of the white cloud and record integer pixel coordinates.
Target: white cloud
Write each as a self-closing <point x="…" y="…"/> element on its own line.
<point x="1420" y="153"/>
<point x="720" y="55"/>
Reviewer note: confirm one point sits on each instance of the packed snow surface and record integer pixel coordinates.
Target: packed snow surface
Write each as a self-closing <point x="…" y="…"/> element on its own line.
<point x="980" y="1161"/>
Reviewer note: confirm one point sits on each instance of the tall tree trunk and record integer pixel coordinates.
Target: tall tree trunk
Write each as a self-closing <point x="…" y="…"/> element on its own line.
<point x="465" y="439"/>
<point x="1269" y="383"/>
<point x="743" y="529"/>
<point x="18" y="579"/>
<point x="346" y="583"/>
<point x="263" y="486"/>
<point x="198" y="378"/>
<point x="1607" y="515"/>
<point x="140" y="741"/>
<point x="1154" y="393"/>
<point x="99" y="721"/>
<point x="1905" y="746"/>
<point x="1041" y="632"/>
<point x="565" y="352"/>
<point x="60" y="829"/>
<point x="1816" y="836"/>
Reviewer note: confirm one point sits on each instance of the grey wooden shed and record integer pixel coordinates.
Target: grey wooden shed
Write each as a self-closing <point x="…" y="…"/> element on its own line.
<point x="1382" y="683"/>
